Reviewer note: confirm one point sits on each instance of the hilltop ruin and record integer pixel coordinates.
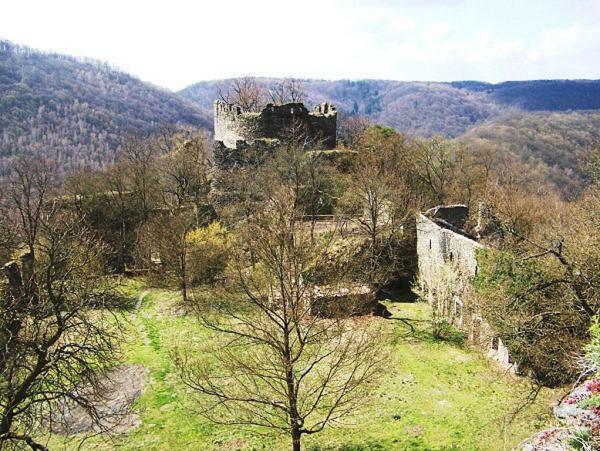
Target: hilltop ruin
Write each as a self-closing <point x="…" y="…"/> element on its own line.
<point x="236" y="129"/>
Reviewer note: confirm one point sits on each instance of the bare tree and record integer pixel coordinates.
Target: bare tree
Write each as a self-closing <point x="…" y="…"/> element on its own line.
<point x="184" y="181"/>
<point x="185" y="173"/>
<point x="54" y="333"/>
<point x="435" y="167"/>
<point x="28" y="188"/>
<point x="351" y="129"/>
<point x="273" y="361"/>
<point x="246" y="92"/>
<point x="139" y="155"/>
<point x="252" y="94"/>
<point x="383" y="201"/>
<point x="287" y="90"/>
<point x="163" y="247"/>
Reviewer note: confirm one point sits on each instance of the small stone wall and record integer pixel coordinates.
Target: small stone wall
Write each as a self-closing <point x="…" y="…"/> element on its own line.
<point x="352" y="300"/>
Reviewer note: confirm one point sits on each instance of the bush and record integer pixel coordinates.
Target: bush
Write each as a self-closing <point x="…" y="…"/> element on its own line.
<point x="208" y="253"/>
<point x="533" y="316"/>
<point x="592" y="350"/>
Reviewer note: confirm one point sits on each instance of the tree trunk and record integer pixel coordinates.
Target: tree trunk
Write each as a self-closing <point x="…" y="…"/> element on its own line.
<point x="296" y="440"/>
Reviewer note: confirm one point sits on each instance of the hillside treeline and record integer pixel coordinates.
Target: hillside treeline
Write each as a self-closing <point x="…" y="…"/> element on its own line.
<point x="554" y="146"/>
<point x="77" y="112"/>
<point x="260" y="253"/>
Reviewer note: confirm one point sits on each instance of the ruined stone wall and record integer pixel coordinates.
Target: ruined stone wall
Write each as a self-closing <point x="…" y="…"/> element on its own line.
<point x="439" y="247"/>
<point x="233" y="126"/>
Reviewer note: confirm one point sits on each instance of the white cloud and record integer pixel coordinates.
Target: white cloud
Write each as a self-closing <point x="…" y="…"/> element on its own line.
<point x="434" y="31"/>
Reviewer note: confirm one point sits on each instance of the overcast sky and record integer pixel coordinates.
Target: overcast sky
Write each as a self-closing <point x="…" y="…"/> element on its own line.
<point x="173" y="43"/>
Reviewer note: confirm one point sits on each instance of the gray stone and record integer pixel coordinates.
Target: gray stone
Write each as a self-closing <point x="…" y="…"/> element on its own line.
<point x="120" y="388"/>
<point x="570" y="413"/>
<point x="235" y="128"/>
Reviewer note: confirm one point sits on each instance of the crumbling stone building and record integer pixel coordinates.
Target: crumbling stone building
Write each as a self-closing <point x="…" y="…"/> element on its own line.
<point x="236" y="130"/>
<point x="444" y="245"/>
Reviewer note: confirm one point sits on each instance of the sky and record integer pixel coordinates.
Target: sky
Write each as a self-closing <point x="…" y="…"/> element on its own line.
<point x="174" y="43"/>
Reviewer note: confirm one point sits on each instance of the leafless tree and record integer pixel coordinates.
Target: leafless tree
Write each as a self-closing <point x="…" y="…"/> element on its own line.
<point x="273" y="361"/>
<point x="383" y="200"/>
<point x="29" y="186"/>
<point x="287" y="90"/>
<point x="55" y="336"/>
<point x="351" y="129"/>
<point x="139" y="155"/>
<point x="185" y="172"/>
<point x="247" y="92"/>
<point x="183" y="179"/>
<point x="163" y="248"/>
<point x="252" y="95"/>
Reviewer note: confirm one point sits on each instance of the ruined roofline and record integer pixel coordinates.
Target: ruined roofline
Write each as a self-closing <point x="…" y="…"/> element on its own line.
<point x="453" y="217"/>
<point x="233" y="126"/>
<point x="324" y="109"/>
<point x="447" y="226"/>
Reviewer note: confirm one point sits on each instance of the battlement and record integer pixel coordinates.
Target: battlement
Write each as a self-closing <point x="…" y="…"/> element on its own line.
<point x="274" y="122"/>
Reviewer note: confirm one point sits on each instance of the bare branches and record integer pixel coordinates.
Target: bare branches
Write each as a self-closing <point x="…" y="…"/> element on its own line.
<point x="246" y="92"/>
<point x="271" y="361"/>
<point x="252" y="94"/>
<point x="54" y="334"/>
<point x="287" y="90"/>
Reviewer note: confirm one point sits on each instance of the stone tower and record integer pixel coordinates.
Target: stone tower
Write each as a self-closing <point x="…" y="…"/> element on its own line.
<point x="235" y="128"/>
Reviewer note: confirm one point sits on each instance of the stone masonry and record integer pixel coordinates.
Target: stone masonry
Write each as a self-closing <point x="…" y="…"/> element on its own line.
<point x="443" y="243"/>
<point x="235" y="128"/>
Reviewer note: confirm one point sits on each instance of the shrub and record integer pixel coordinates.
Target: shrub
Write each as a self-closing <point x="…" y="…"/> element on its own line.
<point x="532" y="314"/>
<point x="592" y="350"/>
<point x="581" y="440"/>
<point x="208" y="253"/>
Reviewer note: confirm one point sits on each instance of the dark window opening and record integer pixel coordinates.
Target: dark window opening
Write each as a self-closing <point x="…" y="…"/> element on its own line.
<point x="451" y="256"/>
<point x="429" y="244"/>
<point x="458" y="310"/>
<point x="495" y="343"/>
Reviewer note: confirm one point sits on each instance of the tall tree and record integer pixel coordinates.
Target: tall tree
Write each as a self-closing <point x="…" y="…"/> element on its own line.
<point x="383" y="198"/>
<point x="55" y="336"/>
<point x="183" y="180"/>
<point x="273" y="361"/>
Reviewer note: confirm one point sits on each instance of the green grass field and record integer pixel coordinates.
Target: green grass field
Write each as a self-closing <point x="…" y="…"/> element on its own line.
<point x="435" y="396"/>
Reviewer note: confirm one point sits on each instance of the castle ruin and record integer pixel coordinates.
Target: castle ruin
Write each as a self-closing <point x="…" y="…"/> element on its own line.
<point x="236" y="129"/>
<point x="443" y="245"/>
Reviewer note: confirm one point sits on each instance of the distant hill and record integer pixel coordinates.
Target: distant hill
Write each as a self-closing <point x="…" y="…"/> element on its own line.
<point x="426" y="109"/>
<point x="553" y="144"/>
<point x="78" y="111"/>
<point x="423" y="109"/>
<point x="548" y="124"/>
<point x="540" y="95"/>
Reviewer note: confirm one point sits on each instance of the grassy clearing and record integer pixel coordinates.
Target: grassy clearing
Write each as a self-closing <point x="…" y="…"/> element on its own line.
<point x="435" y="395"/>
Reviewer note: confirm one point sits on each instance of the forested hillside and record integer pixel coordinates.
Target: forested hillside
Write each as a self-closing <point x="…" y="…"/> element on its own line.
<point x="77" y="112"/>
<point x="418" y="108"/>
<point x="553" y="144"/>
<point x="541" y="95"/>
<point x="426" y="109"/>
<point x="527" y="121"/>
